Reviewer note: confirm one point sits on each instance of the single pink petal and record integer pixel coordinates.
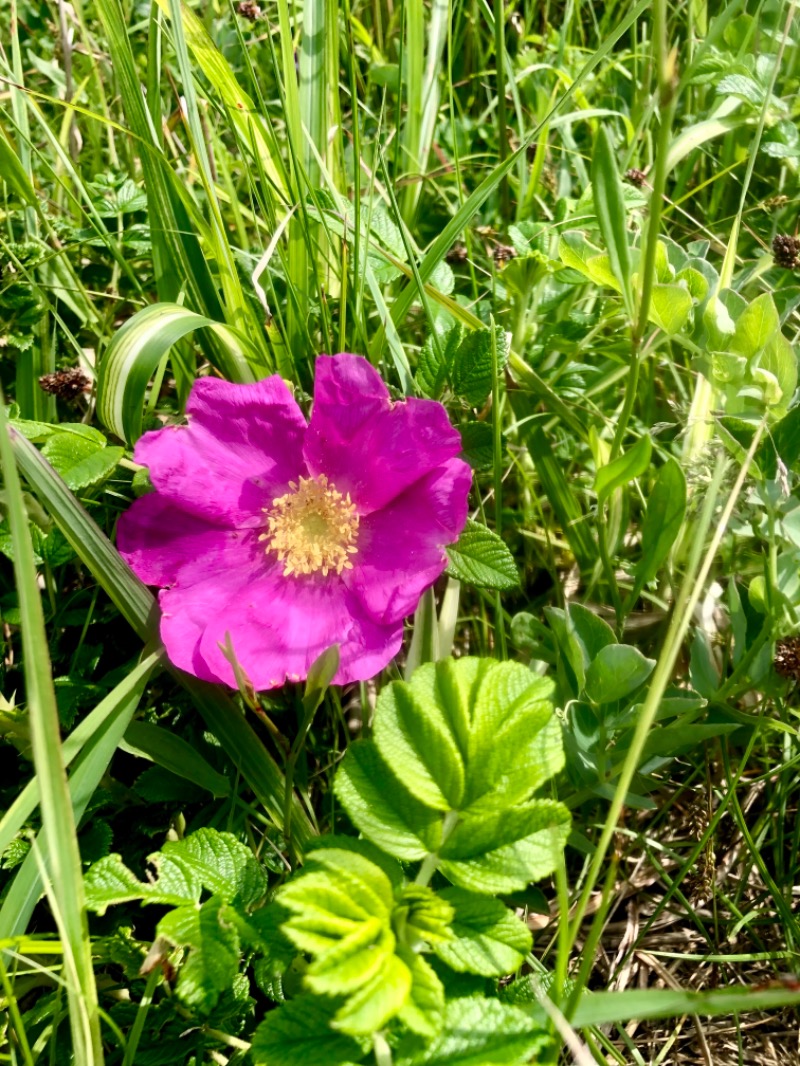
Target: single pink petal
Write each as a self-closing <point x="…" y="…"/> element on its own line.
<point x="401" y="547"/>
<point x="367" y="445"/>
<point x="279" y="625"/>
<point x="242" y="446"/>
<point x="159" y="541"/>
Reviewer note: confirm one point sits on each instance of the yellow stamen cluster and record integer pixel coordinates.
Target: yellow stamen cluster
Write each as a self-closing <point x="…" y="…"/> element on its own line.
<point x="312" y="528"/>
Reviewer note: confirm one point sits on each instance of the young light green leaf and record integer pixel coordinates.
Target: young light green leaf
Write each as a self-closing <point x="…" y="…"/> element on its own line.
<point x="610" y="207"/>
<point x="488" y="939"/>
<point x="624" y="468"/>
<point x="481" y="558"/>
<point x="670" y="307"/>
<point x="618" y="670"/>
<point x="757" y="325"/>
<point x="206" y="859"/>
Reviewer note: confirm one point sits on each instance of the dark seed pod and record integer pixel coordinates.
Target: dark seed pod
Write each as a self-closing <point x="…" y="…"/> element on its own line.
<point x="66" y="384"/>
<point x="787" y="658"/>
<point x="636" y="177"/>
<point x="786" y="251"/>
<point x="457" y="254"/>
<point x="248" y="9"/>
<point x="503" y="252"/>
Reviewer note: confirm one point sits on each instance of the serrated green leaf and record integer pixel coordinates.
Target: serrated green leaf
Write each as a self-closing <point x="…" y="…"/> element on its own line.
<point x="471" y="736"/>
<point x="616" y="672"/>
<point x="109" y="882"/>
<point x="472" y="367"/>
<point x="206" y="859"/>
<point x="624" y="468"/>
<point x="488" y="938"/>
<point x="424" y="1006"/>
<point x="479" y="1032"/>
<point x="376" y="1002"/>
<point x="477" y="444"/>
<point x="531" y="839"/>
<point x="481" y="558"/>
<point x="213" y="959"/>
<point x="299" y="1033"/>
<point x="380" y="806"/>
<point x="80" y="457"/>
<point x="436" y="360"/>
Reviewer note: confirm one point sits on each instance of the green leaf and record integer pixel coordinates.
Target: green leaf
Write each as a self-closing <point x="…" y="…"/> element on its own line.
<point x="505" y="852"/>
<point x="604" y="1008"/>
<point x="137" y="349"/>
<point x="436" y="360"/>
<point x="481" y="558"/>
<point x="472" y="368"/>
<point x="299" y="1033"/>
<point x="477" y="444"/>
<point x="666" y="509"/>
<point x="380" y="806"/>
<point x="618" y="670"/>
<point x="213" y="959"/>
<point x="479" y="1032"/>
<point x="757" y="325"/>
<point x="206" y="859"/>
<point x="489" y="938"/>
<point x="780" y="362"/>
<point x="670" y="307"/>
<point x="340" y="912"/>
<point x="81" y="459"/>
<point x="174" y="754"/>
<point x="472" y="736"/>
<point x="624" y="468"/>
<point x="610" y="207"/>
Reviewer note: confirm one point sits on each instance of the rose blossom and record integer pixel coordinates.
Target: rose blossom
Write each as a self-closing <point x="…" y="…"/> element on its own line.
<point x="291" y="536"/>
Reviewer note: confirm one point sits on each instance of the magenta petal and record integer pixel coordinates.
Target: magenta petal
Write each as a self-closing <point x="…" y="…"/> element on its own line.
<point x="279" y="625"/>
<point x="242" y="446"/>
<point x="159" y="541"/>
<point x="367" y="445"/>
<point x="401" y="547"/>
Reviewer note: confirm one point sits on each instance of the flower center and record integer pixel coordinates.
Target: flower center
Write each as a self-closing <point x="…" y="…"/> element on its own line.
<point x="312" y="528"/>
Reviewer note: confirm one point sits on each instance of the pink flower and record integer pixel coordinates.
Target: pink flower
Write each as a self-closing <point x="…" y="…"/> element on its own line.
<point x="290" y="536"/>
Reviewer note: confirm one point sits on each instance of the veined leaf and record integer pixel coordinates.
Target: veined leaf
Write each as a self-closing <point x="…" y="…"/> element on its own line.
<point x="488" y="938"/>
<point x="299" y="1033"/>
<point x="481" y="558"/>
<point x="624" y="468"/>
<point x="475" y="737"/>
<point x="213" y="959"/>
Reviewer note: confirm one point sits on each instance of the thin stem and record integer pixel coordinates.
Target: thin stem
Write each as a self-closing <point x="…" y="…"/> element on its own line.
<point x="665" y="67"/>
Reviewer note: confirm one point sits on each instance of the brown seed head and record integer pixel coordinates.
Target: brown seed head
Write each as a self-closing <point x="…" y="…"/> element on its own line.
<point x="66" y="384"/>
<point x="636" y="177"/>
<point x="787" y="658"/>
<point x="786" y="251"/>
<point x="503" y="252"/>
<point x="248" y="9"/>
<point x="457" y="254"/>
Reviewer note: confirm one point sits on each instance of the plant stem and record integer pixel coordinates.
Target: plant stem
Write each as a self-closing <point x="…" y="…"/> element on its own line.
<point x="664" y="63"/>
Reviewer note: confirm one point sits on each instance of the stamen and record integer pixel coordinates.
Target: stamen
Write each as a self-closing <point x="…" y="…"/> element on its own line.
<point x="312" y="528"/>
